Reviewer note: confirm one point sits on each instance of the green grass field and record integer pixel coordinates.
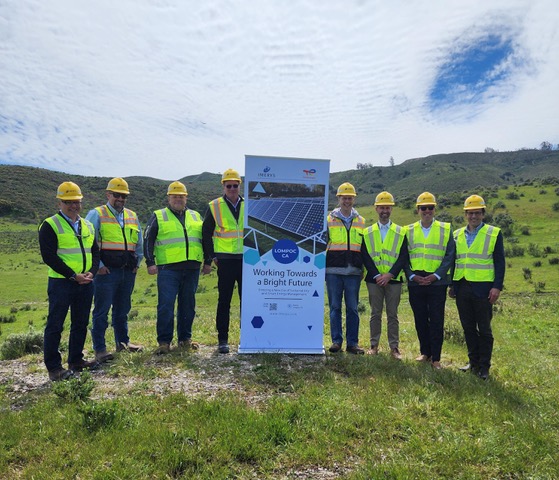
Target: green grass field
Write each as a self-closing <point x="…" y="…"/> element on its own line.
<point x="286" y="416"/>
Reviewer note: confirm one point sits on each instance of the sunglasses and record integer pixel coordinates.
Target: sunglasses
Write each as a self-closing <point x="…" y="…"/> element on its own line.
<point x="236" y="185"/>
<point x="427" y="207"/>
<point x="119" y="195"/>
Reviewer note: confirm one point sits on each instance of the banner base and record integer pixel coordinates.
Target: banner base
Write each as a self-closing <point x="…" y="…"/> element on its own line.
<point x="298" y="351"/>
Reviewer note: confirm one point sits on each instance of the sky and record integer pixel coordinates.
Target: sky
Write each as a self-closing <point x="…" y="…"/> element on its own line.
<point x="170" y="88"/>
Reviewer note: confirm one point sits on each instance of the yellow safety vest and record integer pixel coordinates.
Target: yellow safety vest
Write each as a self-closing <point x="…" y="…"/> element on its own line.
<point x="112" y="236"/>
<point x="385" y="254"/>
<point x="475" y="263"/>
<point x="427" y="254"/>
<point x="175" y="242"/>
<point x="228" y="232"/>
<point x="340" y="239"/>
<point x="74" y="253"/>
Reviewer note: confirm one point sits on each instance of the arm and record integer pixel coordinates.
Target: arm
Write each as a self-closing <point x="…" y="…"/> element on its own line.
<point x="500" y="265"/>
<point x="48" y="244"/>
<point x="140" y="246"/>
<point x="208" y="228"/>
<point x="150" y="234"/>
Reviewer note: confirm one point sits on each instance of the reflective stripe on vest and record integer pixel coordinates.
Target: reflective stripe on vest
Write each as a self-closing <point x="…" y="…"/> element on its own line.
<point x="175" y="242"/>
<point x="73" y="250"/>
<point x="342" y="239"/>
<point x="114" y="237"/>
<point x="228" y="232"/>
<point x="427" y="253"/>
<point x="385" y="254"/>
<point x="475" y="263"/>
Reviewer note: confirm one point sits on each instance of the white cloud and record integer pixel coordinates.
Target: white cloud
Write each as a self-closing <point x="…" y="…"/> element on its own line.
<point x="168" y="88"/>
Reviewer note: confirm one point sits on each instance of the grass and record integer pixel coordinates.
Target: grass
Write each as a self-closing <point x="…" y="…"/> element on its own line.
<point x="287" y="416"/>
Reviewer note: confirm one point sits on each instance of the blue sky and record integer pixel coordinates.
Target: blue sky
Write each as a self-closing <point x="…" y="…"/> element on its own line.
<point x="168" y="88"/>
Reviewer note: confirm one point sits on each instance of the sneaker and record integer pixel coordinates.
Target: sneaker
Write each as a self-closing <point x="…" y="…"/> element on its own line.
<point x="355" y="349"/>
<point x="470" y="368"/>
<point x="373" y="350"/>
<point x="395" y="353"/>
<point x="60" y="374"/>
<point x="104" y="356"/>
<point x="163" y="349"/>
<point x="483" y="373"/>
<point x="130" y="347"/>
<point x="188" y="345"/>
<point x="436" y="365"/>
<point x="83" y="365"/>
<point x="335" y="348"/>
<point x="223" y="348"/>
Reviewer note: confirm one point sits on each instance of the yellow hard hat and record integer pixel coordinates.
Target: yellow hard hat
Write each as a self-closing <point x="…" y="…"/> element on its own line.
<point x="69" y="191"/>
<point x="177" y="188"/>
<point x="230" y="175"/>
<point x="426" y="198"/>
<point x="473" y="202"/>
<point x="384" y="198"/>
<point x="118" y="185"/>
<point x="346" y="190"/>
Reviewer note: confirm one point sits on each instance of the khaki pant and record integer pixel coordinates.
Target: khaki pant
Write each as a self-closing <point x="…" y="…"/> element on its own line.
<point x="378" y="296"/>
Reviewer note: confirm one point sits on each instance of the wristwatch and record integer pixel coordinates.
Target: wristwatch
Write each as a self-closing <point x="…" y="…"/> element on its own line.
<point x="73" y="278"/>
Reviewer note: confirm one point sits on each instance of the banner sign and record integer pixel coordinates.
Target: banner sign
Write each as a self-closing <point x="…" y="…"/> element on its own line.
<point x="286" y="202"/>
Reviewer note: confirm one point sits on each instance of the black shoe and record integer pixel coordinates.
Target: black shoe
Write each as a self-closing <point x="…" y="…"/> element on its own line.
<point x="483" y="373"/>
<point x="84" y="365"/>
<point x="355" y="349"/>
<point x="60" y="374"/>
<point x="470" y="368"/>
<point x="223" y="348"/>
<point x="335" y="348"/>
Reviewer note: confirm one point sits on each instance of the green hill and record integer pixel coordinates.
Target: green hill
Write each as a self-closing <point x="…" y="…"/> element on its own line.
<point x="27" y="193"/>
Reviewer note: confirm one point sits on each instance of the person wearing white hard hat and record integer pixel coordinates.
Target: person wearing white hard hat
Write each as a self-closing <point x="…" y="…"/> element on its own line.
<point x="477" y="283"/>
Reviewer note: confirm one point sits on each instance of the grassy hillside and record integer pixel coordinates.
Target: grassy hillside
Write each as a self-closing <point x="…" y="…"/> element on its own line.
<point x="27" y="193"/>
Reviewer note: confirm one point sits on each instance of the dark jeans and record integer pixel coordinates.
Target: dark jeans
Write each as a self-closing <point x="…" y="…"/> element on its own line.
<point x="172" y="285"/>
<point x="63" y="295"/>
<point x="113" y="289"/>
<point x="229" y="271"/>
<point x="427" y="303"/>
<point x="475" y="316"/>
<point x="344" y="287"/>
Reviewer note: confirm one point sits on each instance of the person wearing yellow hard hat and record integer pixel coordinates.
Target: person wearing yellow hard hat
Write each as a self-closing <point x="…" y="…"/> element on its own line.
<point x="431" y="257"/>
<point x="478" y="279"/>
<point x="173" y="252"/>
<point x="223" y="234"/>
<point x="344" y="269"/>
<point x="68" y="247"/>
<point x="119" y="235"/>
<point x="384" y="253"/>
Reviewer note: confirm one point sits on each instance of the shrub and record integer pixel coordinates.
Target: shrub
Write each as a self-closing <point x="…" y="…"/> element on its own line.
<point x="543" y="192"/>
<point x="525" y="230"/>
<point x="547" y="250"/>
<point x="514" y="251"/>
<point x="133" y="314"/>
<point x="537" y="263"/>
<point x="505" y="222"/>
<point x="453" y="332"/>
<point x="527" y="273"/>
<point x="534" y="250"/>
<point x="19" y="344"/>
<point x="512" y="196"/>
<point x="96" y="416"/>
<point x="13" y="310"/>
<point x="361" y="307"/>
<point x="539" y="287"/>
<point x="554" y="261"/>
<point x="444" y="217"/>
<point x="75" y="389"/>
<point x="555" y="207"/>
<point x="499" y="204"/>
<point x="7" y="319"/>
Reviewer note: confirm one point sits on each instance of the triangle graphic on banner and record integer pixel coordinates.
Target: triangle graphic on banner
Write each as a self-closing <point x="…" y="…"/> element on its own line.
<point x="264" y="262"/>
<point x="309" y="327"/>
<point x="315" y="294"/>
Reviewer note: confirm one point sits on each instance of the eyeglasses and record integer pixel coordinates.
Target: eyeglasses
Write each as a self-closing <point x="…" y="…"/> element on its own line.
<point x="119" y="195"/>
<point x="230" y="186"/>
<point x="427" y="207"/>
<point x="473" y="213"/>
<point x="72" y="202"/>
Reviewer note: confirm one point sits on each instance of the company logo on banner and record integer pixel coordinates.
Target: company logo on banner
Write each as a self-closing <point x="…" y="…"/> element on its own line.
<point x="284" y="255"/>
